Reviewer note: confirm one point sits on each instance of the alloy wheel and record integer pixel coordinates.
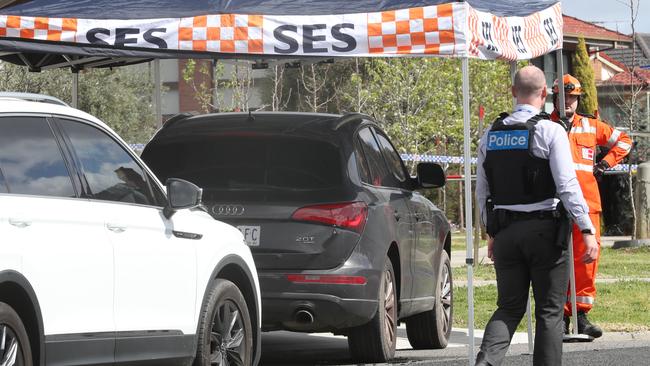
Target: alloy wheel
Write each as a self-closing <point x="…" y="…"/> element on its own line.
<point x="227" y="344"/>
<point x="9" y="347"/>
<point x="446" y="296"/>
<point x="389" y="306"/>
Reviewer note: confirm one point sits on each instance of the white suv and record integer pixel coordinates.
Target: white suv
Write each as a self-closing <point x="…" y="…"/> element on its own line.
<point x="99" y="266"/>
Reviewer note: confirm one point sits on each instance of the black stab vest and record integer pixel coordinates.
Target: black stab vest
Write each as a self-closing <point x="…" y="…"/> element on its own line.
<point x="514" y="174"/>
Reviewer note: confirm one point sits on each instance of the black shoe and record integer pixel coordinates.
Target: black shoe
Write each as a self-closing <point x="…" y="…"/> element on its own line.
<point x="481" y="360"/>
<point x="585" y="327"/>
<point x="567" y="320"/>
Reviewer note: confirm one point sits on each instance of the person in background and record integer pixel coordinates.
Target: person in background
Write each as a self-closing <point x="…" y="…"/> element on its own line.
<point x="586" y="133"/>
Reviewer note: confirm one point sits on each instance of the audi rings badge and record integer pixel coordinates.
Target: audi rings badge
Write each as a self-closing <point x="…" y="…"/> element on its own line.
<point x="228" y="210"/>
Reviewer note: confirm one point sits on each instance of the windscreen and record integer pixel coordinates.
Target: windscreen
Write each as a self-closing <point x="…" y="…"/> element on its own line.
<point x="251" y="164"/>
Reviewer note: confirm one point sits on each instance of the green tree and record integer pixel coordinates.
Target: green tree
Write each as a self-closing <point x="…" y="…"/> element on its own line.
<point x="122" y="97"/>
<point x="56" y="82"/>
<point x="585" y="73"/>
<point x="353" y="92"/>
<point x="414" y="100"/>
<point x="200" y="75"/>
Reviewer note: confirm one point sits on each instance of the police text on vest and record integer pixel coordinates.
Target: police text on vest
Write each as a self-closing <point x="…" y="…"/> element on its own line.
<point x="508" y="140"/>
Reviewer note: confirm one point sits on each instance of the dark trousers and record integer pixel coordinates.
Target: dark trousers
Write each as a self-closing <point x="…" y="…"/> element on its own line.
<point x="525" y="253"/>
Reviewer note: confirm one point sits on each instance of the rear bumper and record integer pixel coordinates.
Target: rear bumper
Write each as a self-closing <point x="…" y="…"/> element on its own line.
<point x="332" y="307"/>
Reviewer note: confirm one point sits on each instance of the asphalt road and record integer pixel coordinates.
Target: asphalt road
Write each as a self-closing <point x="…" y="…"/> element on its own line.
<point x="286" y="348"/>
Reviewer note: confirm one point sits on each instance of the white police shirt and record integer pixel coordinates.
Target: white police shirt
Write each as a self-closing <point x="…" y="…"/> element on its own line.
<point x="550" y="142"/>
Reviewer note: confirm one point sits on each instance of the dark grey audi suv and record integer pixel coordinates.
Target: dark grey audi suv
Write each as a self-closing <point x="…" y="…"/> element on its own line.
<point x="342" y="239"/>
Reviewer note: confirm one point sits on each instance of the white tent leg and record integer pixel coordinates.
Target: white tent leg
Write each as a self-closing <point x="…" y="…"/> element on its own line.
<point x="75" y="89"/>
<point x="157" y="91"/>
<point x="574" y="336"/>
<point x="468" y="211"/>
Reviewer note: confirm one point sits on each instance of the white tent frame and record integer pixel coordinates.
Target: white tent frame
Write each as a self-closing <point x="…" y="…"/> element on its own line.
<point x="469" y="225"/>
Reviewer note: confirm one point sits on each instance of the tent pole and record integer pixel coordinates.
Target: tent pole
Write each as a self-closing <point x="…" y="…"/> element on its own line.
<point x="467" y="165"/>
<point x="560" y="73"/>
<point x="157" y="92"/>
<point x="529" y="316"/>
<point x="572" y="277"/>
<point x="75" y="89"/>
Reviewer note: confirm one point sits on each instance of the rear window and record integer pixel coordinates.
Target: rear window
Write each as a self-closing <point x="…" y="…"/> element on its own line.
<point x="249" y="163"/>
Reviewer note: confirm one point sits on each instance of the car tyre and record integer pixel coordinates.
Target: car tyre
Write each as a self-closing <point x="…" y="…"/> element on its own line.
<point x="225" y="331"/>
<point x="375" y="341"/>
<point x="432" y="329"/>
<point x="15" y="344"/>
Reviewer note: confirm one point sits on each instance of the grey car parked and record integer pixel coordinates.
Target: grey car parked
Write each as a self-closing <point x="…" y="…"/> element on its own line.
<point x="342" y="240"/>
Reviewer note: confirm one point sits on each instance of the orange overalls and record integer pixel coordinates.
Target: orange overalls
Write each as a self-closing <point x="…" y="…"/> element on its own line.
<point x="585" y="135"/>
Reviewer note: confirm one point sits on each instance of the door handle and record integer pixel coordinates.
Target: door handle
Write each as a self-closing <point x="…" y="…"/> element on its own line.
<point x="397" y="216"/>
<point x="186" y="235"/>
<point x="116" y="228"/>
<point x="19" y="223"/>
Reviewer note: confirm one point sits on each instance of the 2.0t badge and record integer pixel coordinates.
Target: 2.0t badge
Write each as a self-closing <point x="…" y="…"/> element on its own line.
<point x="228" y="210"/>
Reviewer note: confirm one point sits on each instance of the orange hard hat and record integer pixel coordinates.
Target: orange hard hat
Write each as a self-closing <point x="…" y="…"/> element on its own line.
<point x="571" y="85"/>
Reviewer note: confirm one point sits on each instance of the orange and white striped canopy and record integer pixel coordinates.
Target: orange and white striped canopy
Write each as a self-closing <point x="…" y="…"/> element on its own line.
<point x="453" y="29"/>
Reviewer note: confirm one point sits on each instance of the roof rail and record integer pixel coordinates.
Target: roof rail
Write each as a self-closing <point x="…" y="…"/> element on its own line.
<point x="349" y="117"/>
<point x="177" y="118"/>
<point x="33" y="97"/>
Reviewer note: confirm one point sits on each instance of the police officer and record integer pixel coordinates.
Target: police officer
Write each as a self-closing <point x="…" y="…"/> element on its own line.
<point x="522" y="170"/>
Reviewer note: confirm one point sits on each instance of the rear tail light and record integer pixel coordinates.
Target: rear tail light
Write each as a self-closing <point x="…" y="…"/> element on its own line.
<point x="327" y="279"/>
<point x="348" y="215"/>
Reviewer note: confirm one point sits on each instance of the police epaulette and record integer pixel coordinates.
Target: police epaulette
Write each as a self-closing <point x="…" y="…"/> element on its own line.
<point x="499" y="120"/>
<point x="538" y="117"/>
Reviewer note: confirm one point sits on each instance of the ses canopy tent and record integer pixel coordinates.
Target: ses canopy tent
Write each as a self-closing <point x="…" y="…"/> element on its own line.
<point x="43" y="34"/>
<point x="59" y="33"/>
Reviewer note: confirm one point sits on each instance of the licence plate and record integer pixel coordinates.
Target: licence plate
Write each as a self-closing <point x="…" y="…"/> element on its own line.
<point x="251" y="235"/>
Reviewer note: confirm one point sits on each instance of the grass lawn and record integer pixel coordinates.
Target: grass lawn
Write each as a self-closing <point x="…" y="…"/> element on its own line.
<point x="458" y="241"/>
<point x="481" y="272"/>
<point x="620" y="307"/>
<point x="624" y="263"/>
<point x="628" y="263"/>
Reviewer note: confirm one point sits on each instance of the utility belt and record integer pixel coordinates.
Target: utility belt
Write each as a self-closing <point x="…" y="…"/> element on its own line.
<point x="509" y="216"/>
<point x="499" y="219"/>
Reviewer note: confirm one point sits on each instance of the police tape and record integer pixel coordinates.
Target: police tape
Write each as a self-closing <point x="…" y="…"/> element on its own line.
<point x="444" y="159"/>
<point x="435" y="158"/>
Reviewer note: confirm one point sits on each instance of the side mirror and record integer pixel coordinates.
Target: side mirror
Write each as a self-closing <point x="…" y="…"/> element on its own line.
<point x="430" y="175"/>
<point x="181" y="194"/>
